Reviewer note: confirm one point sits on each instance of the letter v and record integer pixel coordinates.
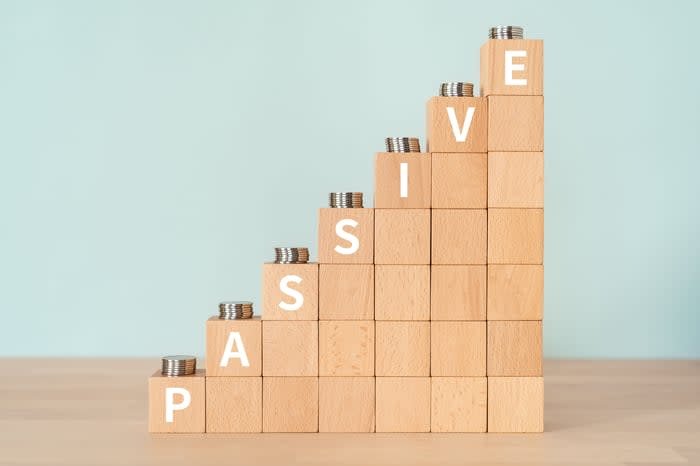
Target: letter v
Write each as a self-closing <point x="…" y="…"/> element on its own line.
<point x="460" y="133"/>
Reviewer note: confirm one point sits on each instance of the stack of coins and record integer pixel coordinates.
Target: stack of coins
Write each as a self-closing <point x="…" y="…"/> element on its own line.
<point x="457" y="90"/>
<point x="174" y="366"/>
<point x="345" y="200"/>
<point x="506" y="32"/>
<point x="291" y="255"/>
<point x="402" y="145"/>
<point x="233" y="310"/>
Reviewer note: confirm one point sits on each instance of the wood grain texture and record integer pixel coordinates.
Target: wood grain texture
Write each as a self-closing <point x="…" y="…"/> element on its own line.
<point x="290" y="404"/>
<point x="514" y="348"/>
<point x="187" y="420"/>
<point x="516" y="236"/>
<point x="328" y="239"/>
<point x="234" y="404"/>
<point x="402" y="236"/>
<point x="272" y="294"/>
<point x="459" y="236"/>
<point x="402" y="292"/>
<point x="387" y="180"/>
<point x="439" y="132"/>
<point x="403" y="348"/>
<point x="458" y="349"/>
<point x="516" y="124"/>
<point x="493" y="62"/>
<point x="346" y="404"/>
<point x="403" y="404"/>
<point x="346" y="348"/>
<point x="516" y="404"/>
<point x="458" y="292"/>
<point x="346" y="292"/>
<point x="459" y="181"/>
<point x="516" y="179"/>
<point x="218" y="332"/>
<point x="515" y="292"/>
<point x="290" y="348"/>
<point x="458" y="404"/>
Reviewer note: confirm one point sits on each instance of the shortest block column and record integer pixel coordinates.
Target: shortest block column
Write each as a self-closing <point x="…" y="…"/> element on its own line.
<point x="176" y="397"/>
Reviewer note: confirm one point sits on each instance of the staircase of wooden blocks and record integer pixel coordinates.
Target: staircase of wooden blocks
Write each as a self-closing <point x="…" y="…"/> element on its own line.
<point x="424" y="313"/>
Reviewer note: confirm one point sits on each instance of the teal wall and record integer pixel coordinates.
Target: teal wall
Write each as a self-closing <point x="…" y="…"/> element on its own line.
<point x="154" y="152"/>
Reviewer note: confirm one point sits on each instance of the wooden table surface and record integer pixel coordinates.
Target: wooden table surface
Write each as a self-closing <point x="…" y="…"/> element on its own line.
<point x="93" y="411"/>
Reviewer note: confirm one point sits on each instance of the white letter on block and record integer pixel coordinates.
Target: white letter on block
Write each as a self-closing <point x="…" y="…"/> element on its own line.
<point x="347" y="236"/>
<point x="234" y="338"/>
<point x="171" y="406"/>
<point x="510" y="67"/>
<point x="298" y="297"/>
<point x="403" y="176"/>
<point x="462" y="132"/>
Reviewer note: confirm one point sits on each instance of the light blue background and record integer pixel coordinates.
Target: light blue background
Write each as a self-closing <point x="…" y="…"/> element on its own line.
<point x="154" y="152"/>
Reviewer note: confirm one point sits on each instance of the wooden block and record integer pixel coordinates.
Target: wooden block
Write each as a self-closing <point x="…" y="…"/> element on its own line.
<point x="459" y="236"/>
<point x="290" y="292"/>
<point x="458" y="349"/>
<point x="346" y="292"/>
<point x="402" y="180"/>
<point x="516" y="236"/>
<point x="456" y="124"/>
<point x="514" y="348"/>
<point x="176" y="404"/>
<point x="402" y="236"/>
<point x="458" y="292"/>
<point x="516" y="179"/>
<point x="346" y="404"/>
<point x="234" y="347"/>
<point x="511" y="67"/>
<point x="345" y="236"/>
<point x="346" y="348"/>
<point x="403" y="348"/>
<point x="458" y="404"/>
<point x="290" y="404"/>
<point x="516" y="123"/>
<point x="459" y="181"/>
<point x="516" y="404"/>
<point x="290" y="348"/>
<point x="515" y="292"/>
<point x="403" y="404"/>
<point x="402" y="292"/>
<point x="234" y="404"/>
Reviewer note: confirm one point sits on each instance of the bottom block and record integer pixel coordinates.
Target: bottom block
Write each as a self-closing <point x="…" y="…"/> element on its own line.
<point x="458" y="404"/>
<point x="234" y="404"/>
<point x="516" y="404"/>
<point x="346" y="404"/>
<point x="176" y="404"/>
<point x="403" y="404"/>
<point x="290" y="404"/>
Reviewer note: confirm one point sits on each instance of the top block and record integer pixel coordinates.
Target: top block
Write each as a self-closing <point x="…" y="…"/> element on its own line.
<point x="511" y="67"/>
<point x="456" y="124"/>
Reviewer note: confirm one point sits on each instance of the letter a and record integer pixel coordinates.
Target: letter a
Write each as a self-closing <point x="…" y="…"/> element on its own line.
<point x="234" y="338"/>
<point x="462" y="132"/>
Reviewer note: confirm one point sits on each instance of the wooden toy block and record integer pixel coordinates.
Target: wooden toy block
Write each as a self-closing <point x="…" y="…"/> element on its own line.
<point x="456" y="124"/>
<point x="458" y="349"/>
<point x="402" y="348"/>
<point x="234" y="404"/>
<point x="514" y="348"/>
<point x="516" y="236"/>
<point x="402" y="180"/>
<point x="176" y="404"/>
<point x="345" y="236"/>
<point x="515" y="292"/>
<point x="346" y="292"/>
<point x="402" y="236"/>
<point x="511" y="67"/>
<point x="290" y="292"/>
<point x="458" y="292"/>
<point x="346" y="348"/>
<point x="346" y="404"/>
<point x="516" y="123"/>
<point x="234" y="347"/>
<point x="516" y="179"/>
<point x="290" y="404"/>
<point x="402" y="292"/>
<point x="459" y="236"/>
<point x="516" y="404"/>
<point x="403" y="404"/>
<point x="458" y="404"/>
<point x="290" y="348"/>
<point x="459" y="181"/>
